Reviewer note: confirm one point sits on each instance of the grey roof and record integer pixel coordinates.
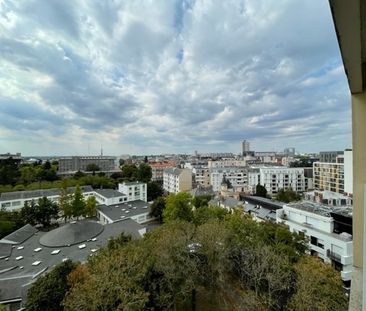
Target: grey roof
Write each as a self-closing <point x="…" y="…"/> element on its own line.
<point x="320" y="209"/>
<point x="227" y="202"/>
<point x="109" y="193"/>
<point x="71" y="233"/>
<point x="20" y="235"/>
<point x="173" y="171"/>
<point x="264" y="201"/>
<point x="130" y="183"/>
<point x="260" y="212"/>
<point x="5" y="250"/>
<point x="202" y="191"/>
<point x="6" y="196"/>
<point x="117" y="212"/>
<point x="16" y="272"/>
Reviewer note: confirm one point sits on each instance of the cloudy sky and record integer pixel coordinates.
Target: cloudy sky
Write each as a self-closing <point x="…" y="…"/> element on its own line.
<point x="160" y="76"/>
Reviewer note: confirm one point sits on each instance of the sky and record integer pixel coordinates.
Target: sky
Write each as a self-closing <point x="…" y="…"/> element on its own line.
<point x="170" y="76"/>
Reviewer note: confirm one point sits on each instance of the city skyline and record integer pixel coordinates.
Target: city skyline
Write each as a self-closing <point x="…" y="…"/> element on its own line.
<point x="170" y="77"/>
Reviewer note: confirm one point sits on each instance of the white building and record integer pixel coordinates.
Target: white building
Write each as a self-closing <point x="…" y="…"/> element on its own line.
<point x="134" y="190"/>
<point x="226" y="163"/>
<point x="348" y="172"/>
<point x="275" y="178"/>
<point x="328" y="198"/>
<point x="237" y="176"/>
<point x="328" y="230"/>
<point x="177" y="180"/>
<point x="15" y="200"/>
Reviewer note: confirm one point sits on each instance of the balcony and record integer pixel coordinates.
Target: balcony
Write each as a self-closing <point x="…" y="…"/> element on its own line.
<point x="334" y="256"/>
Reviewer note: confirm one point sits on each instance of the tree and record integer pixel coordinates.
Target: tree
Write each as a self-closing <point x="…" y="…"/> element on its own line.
<point x="48" y="291"/>
<point x="144" y="173"/>
<point x="65" y="201"/>
<point x="154" y="190"/>
<point x="157" y="208"/>
<point x="121" y="162"/>
<point x="92" y="167"/>
<point x="29" y="213"/>
<point x="45" y="211"/>
<point x="9" y="171"/>
<point x="129" y="172"/>
<point x="260" y="191"/>
<point x="79" y="174"/>
<point x="47" y="165"/>
<point x="287" y="195"/>
<point x="178" y="207"/>
<point x="90" y="207"/>
<point x="78" y="203"/>
<point x="146" y="160"/>
<point x="318" y="287"/>
<point x="201" y="201"/>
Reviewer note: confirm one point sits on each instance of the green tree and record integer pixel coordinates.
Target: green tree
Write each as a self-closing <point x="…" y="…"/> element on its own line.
<point x="201" y="201"/>
<point x="178" y="207"/>
<point x="78" y="203"/>
<point x="129" y="172"/>
<point x="48" y="291"/>
<point x="146" y="160"/>
<point x="90" y="207"/>
<point x="144" y="173"/>
<point x="92" y="167"/>
<point x="9" y="171"/>
<point x="154" y="190"/>
<point x="318" y="287"/>
<point x="65" y="201"/>
<point x="287" y="195"/>
<point x="29" y="213"/>
<point x="157" y="208"/>
<point x="260" y="191"/>
<point x="46" y="210"/>
<point x="79" y="174"/>
<point x="121" y="162"/>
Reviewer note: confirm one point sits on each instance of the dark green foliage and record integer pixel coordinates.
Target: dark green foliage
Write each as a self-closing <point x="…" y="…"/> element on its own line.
<point x="79" y="174"/>
<point x="9" y="171"/>
<point x="178" y="207"/>
<point x="9" y="222"/>
<point x="78" y="203"/>
<point x="154" y="190"/>
<point x="205" y="214"/>
<point x="261" y="191"/>
<point x="48" y="291"/>
<point x="157" y="208"/>
<point x="129" y="172"/>
<point x="92" y="167"/>
<point x="287" y="195"/>
<point x="201" y="201"/>
<point x="144" y="173"/>
<point x="40" y="212"/>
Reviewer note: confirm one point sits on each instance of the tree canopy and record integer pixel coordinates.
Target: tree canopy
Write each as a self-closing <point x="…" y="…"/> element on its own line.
<point x="287" y="195"/>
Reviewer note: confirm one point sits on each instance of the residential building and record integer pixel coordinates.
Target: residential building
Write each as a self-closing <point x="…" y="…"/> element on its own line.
<point x="76" y="163"/>
<point x="275" y="178"/>
<point x="329" y="231"/>
<point x="348" y="172"/>
<point x="228" y="203"/>
<point x="157" y="169"/>
<point x="17" y="157"/>
<point x="329" y="156"/>
<point x="201" y="176"/>
<point x="177" y="180"/>
<point x="226" y="163"/>
<point x="109" y="196"/>
<point x="289" y="151"/>
<point x="328" y="176"/>
<point x="245" y="147"/>
<point x="236" y="176"/>
<point x="134" y="190"/>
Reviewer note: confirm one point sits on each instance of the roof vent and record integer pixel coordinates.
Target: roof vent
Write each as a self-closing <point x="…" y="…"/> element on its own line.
<point x="38" y="249"/>
<point x="55" y="252"/>
<point x="19" y="258"/>
<point x="36" y="263"/>
<point x="82" y="246"/>
<point x="20" y="247"/>
<point x="94" y="239"/>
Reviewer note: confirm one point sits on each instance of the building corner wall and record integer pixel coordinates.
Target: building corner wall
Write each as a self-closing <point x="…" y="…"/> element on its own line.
<point x="359" y="179"/>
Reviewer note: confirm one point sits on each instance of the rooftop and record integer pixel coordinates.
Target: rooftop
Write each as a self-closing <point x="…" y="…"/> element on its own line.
<point x="320" y="209"/>
<point x="17" y="195"/>
<point x="173" y="171"/>
<point x="121" y="211"/>
<point x="109" y="193"/>
<point x="23" y="262"/>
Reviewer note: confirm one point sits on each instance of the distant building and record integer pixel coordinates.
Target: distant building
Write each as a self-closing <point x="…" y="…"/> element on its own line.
<point x="17" y="157"/>
<point x="245" y="147"/>
<point x="328" y="176"/>
<point x="177" y="180"/>
<point x="289" y="151"/>
<point x="201" y="176"/>
<point x="329" y="156"/>
<point x="329" y="231"/>
<point x="328" y="198"/>
<point x="76" y="163"/>
<point x="236" y="176"/>
<point x="157" y="169"/>
<point x="226" y="163"/>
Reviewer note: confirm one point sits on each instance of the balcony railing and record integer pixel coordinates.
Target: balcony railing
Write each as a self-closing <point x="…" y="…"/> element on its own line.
<point x="334" y="256"/>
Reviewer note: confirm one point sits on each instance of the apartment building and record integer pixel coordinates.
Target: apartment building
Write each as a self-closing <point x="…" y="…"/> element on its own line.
<point x="328" y="176"/>
<point x="134" y="190"/>
<point x="76" y="163"/>
<point x="177" y="180"/>
<point x="201" y="176"/>
<point x="328" y="198"/>
<point x="157" y="169"/>
<point x="275" y="178"/>
<point x="237" y="176"/>
<point x="329" y="156"/>
<point x="226" y="163"/>
<point x="329" y="231"/>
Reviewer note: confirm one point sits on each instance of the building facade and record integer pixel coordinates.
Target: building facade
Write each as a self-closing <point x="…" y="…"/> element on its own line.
<point x="134" y="190"/>
<point x="328" y="176"/>
<point x="157" y="170"/>
<point x="329" y="156"/>
<point x="177" y="180"/>
<point x="236" y="176"/>
<point x="329" y="232"/>
<point x="75" y="163"/>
